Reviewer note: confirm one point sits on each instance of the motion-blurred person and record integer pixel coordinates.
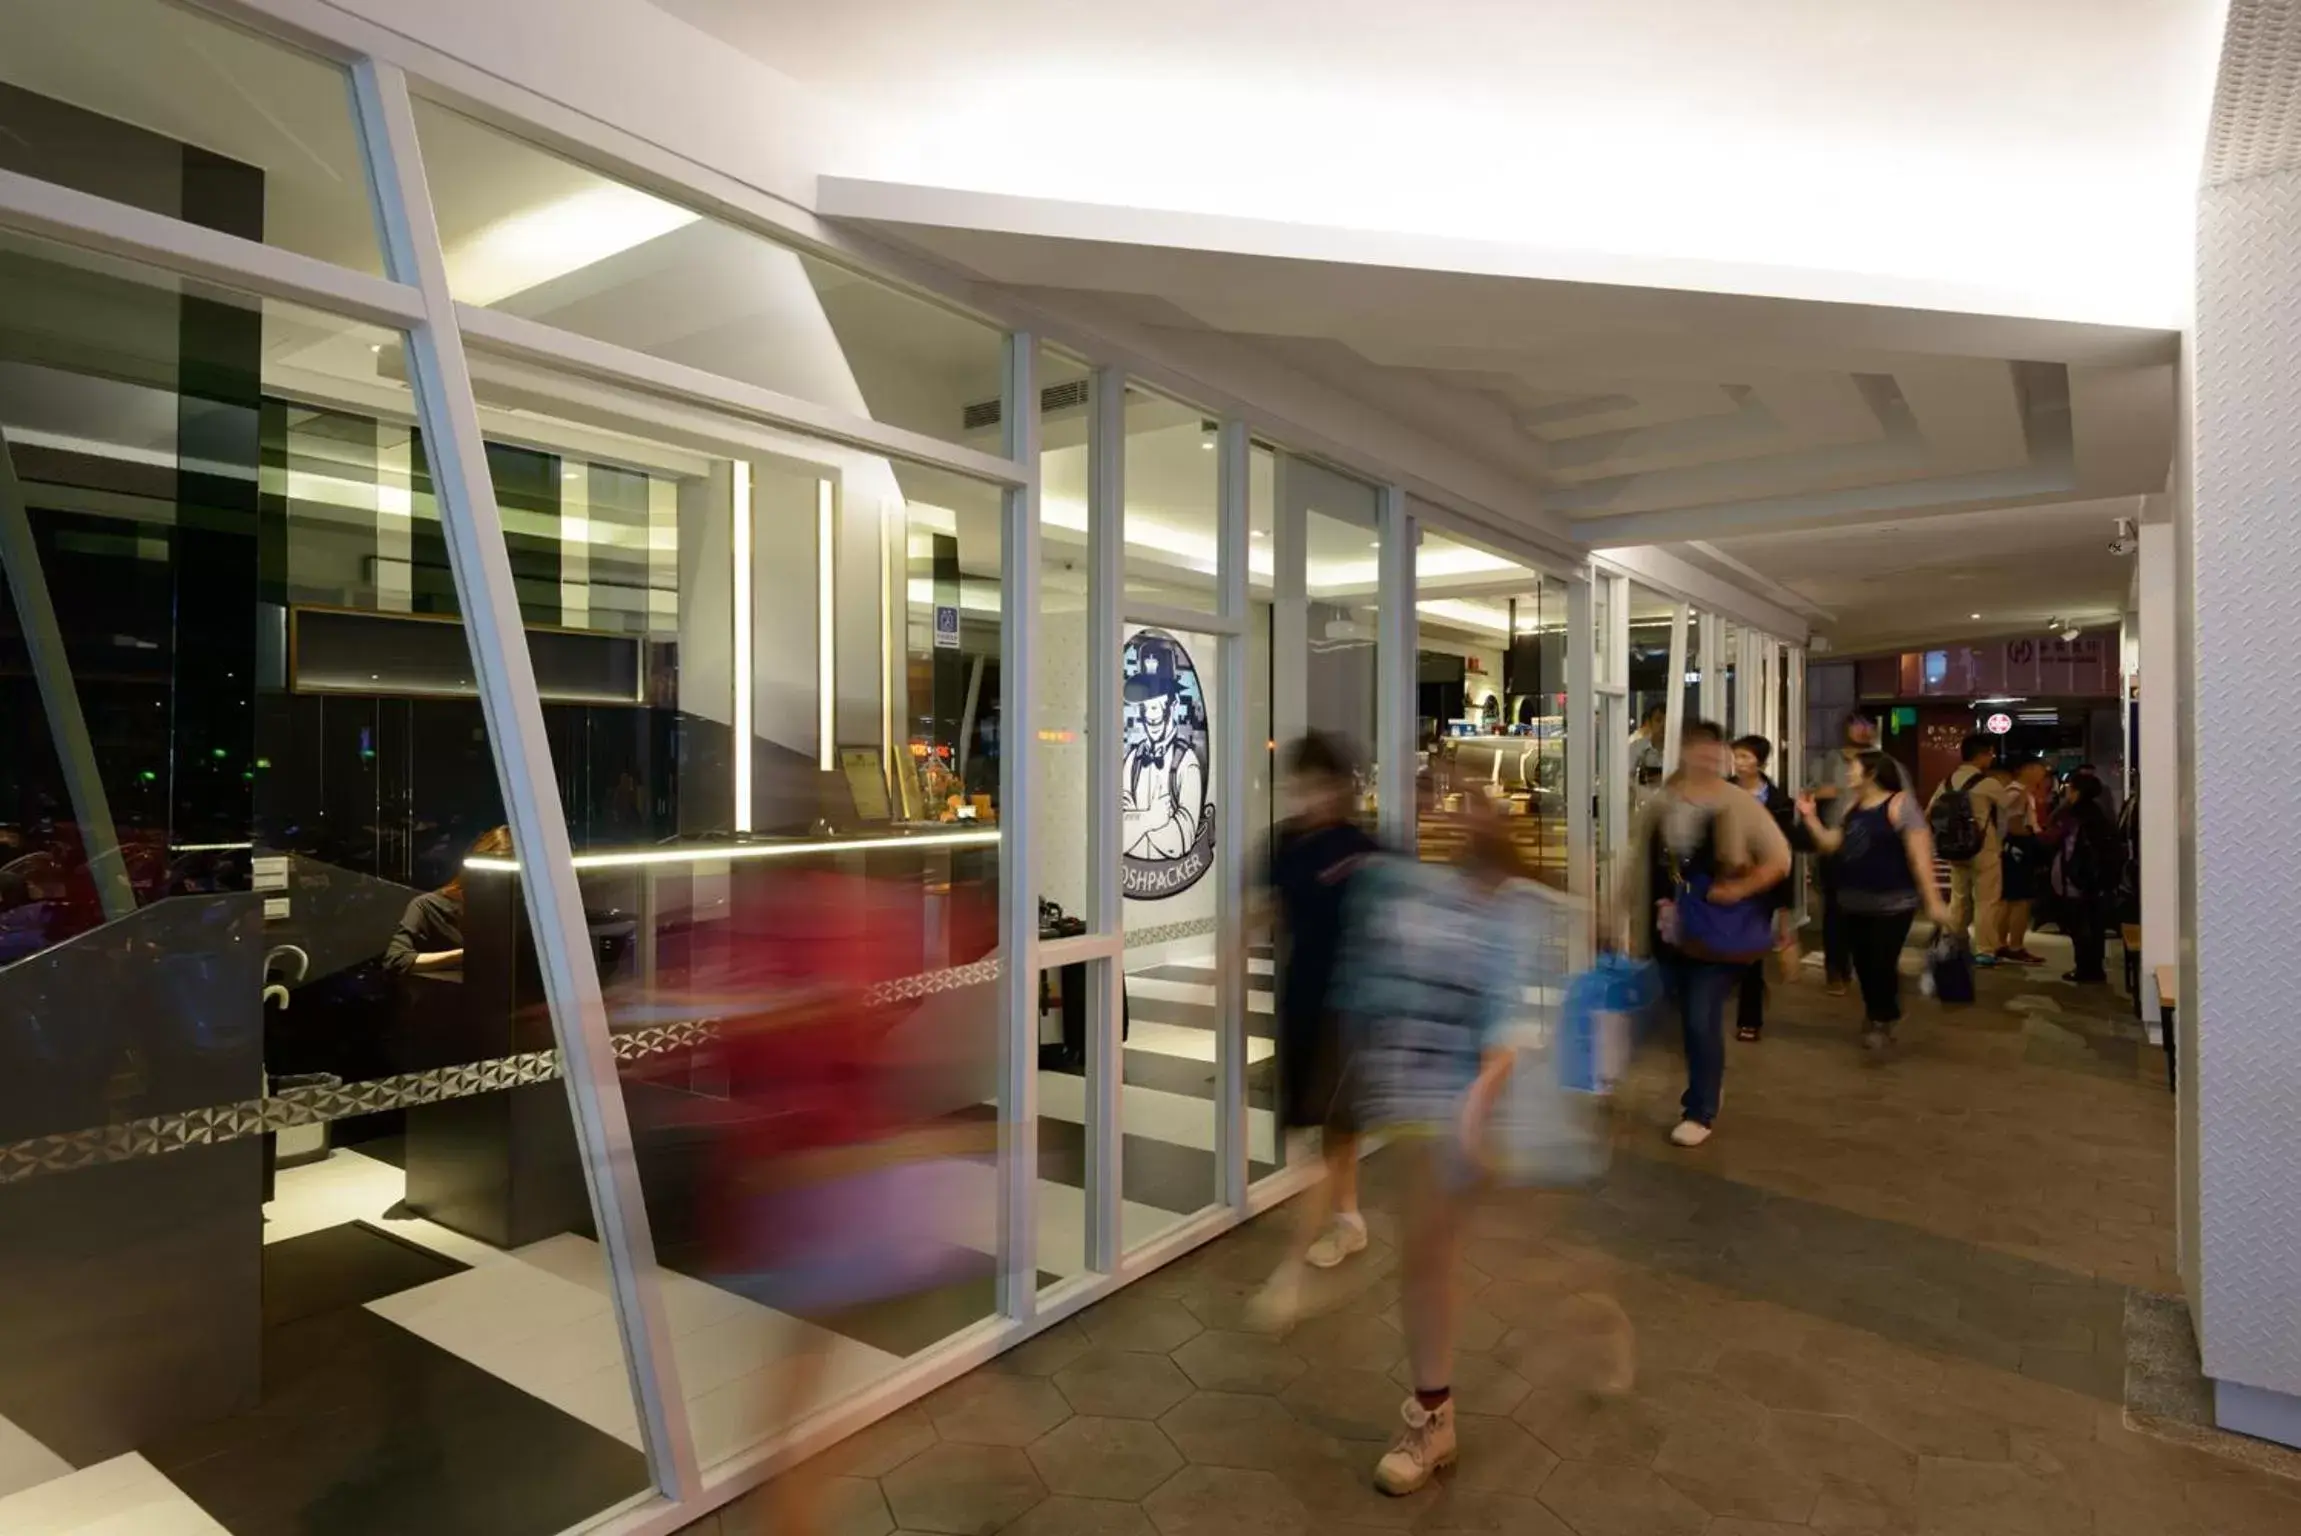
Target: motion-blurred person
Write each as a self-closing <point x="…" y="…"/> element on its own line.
<point x="1751" y="756"/>
<point x="1885" y="876"/>
<point x="430" y="931"/>
<point x="1704" y="825"/>
<point x="2088" y="863"/>
<point x="1434" y="968"/>
<point x="1829" y="782"/>
<point x="1969" y="837"/>
<point x="1314" y="855"/>
<point x="852" y="1166"/>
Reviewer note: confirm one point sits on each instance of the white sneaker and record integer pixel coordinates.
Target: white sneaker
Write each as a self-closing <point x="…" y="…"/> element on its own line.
<point x="1425" y="1447"/>
<point x="1344" y="1236"/>
<point x="1690" y="1133"/>
<point x="1276" y="1307"/>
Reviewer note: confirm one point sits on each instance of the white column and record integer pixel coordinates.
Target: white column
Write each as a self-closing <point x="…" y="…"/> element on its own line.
<point x="1674" y="691"/>
<point x="1290" y="608"/>
<point x="1106" y="904"/>
<point x="1581" y="718"/>
<point x="1394" y="703"/>
<point x="1234" y="450"/>
<point x="2239" y="535"/>
<point x="1710" y="697"/>
<point x="1018" y="891"/>
<point x="513" y="709"/>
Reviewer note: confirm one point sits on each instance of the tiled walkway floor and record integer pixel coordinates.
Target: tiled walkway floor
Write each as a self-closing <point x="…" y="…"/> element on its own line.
<point x="1884" y="1299"/>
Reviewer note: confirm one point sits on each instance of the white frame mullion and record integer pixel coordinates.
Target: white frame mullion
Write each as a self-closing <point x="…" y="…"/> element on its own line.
<point x="1289" y="609"/>
<point x="1106" y="903"/>
<point x="1674" y="690"/>
<point x="1793" y="775"/>
<point x="481" y="565"/>
<point x="1018" y="1251"/>
<point x="1582" y="720"/>
<point x="91" y="223"/>
<point x="1233" y="452"/>
<point x="1710" y="692"/>
<point x="1169" y="616"/>
<point x="1613" y="773"/>
<point x="494" y="333"/>
<point x="1394" y="702"/>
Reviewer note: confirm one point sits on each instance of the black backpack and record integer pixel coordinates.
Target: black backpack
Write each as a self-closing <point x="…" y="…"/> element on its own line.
<point x="1958" y="834"/>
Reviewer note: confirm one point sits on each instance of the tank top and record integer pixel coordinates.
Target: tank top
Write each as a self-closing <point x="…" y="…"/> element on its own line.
<point x="1873" y="867"/>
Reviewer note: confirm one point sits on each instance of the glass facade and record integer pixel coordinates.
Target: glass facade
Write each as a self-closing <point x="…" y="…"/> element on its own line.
<point x="1491" y="669"/>
<point x="894" y="985"/>
<point x="285" y="1142"/>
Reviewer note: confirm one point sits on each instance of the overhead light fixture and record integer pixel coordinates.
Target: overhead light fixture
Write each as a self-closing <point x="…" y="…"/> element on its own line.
<point x="1973" y="615"/>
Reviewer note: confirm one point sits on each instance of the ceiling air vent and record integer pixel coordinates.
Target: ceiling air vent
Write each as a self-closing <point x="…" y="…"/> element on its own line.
<point x="1055" y="397"/>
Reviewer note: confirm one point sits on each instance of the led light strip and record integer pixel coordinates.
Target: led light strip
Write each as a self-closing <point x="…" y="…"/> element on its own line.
<point x="645" y="856"/>
<point x="826" y="654"/>
<point x="742" y="642"/>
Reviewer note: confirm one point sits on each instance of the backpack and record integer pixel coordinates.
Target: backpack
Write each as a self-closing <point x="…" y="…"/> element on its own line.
<point x="1958" y="834"/>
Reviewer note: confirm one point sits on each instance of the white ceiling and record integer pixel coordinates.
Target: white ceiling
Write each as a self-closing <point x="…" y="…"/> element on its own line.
<point x="1739" y="276"/>
<point x="1666" y="410"/>
<point x="2045" y="147"/>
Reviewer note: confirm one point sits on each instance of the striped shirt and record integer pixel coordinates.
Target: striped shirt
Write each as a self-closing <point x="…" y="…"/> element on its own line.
<point x="1432" y="973"/>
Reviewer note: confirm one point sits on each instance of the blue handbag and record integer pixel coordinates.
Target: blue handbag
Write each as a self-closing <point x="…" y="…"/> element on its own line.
<point x="1607" y="1010"/>
<point x="1734" y="932"/>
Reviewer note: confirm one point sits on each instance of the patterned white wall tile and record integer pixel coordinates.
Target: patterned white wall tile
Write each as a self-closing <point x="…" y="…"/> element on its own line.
<point x="2245" y="551"/>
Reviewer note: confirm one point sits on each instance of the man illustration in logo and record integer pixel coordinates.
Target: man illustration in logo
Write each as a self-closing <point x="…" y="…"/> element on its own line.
<point x="1165" y="798"/>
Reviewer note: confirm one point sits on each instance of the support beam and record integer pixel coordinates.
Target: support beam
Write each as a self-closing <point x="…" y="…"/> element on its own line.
<point x="1018" y="856"/>
<point x="1396" y="755"/>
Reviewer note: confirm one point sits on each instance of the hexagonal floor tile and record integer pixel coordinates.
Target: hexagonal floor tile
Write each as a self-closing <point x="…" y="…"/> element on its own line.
<point x="1105" y="1458"/>
<point x="1350" y="1405"/>
<point x="1780" y="1381"/>
<point x="1500" y="1456"/>
<point x="988" y="1408"/>
<point x="963" y="1489"/>
<point x="1239" y="1362"/>
<point x="1601" y="1500"/>
<point x="1476" y="1509"/>
<point x="1122" y="1384"/>
<point x="1043" y="1354"/>
<point x="1240" y="1429"/>
<point x="1734" y="1469"/>
<point x="1225" y="1501"/>
<point x="878" y="1449"/>
<point x="1349" y="1341"/>
<point x="1154" y="1324"/>
<point x="1061" y="1516"/>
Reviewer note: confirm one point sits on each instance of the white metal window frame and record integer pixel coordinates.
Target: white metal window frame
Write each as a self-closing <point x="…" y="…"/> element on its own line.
<point x="387" y="71"/>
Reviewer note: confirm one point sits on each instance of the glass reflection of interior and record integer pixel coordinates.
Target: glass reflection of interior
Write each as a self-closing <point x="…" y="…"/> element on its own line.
<point x="1491" y="671"/>
<point x="287" y="1174"/>
<point x="283" y="1142"/>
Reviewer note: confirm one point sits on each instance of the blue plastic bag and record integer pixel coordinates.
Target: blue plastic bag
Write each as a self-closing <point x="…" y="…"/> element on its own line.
<point x="1604" y="1018"/>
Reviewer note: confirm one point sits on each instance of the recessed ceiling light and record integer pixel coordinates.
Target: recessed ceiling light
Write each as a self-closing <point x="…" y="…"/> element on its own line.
<point x="1975" y="615"/>
<point x="1209" y="447"/>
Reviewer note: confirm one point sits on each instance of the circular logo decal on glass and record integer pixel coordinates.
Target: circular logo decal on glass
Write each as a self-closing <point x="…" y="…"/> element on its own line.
<point x="1166" y="791"/>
